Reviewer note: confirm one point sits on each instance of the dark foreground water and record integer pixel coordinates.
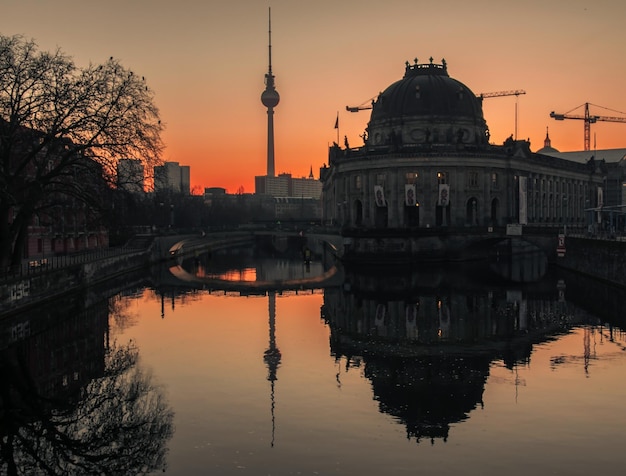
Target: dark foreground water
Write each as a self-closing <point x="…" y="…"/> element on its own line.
<point x="421" y="372"/>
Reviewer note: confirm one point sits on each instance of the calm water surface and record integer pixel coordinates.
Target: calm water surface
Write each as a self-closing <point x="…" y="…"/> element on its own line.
<point x="445" y="378"/>
<point x="430" y="372"/>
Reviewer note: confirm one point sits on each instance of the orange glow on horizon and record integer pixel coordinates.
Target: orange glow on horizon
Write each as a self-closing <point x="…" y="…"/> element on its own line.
<point x="207" y="72"/>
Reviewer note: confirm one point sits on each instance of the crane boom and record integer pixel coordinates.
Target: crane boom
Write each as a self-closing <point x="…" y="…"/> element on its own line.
<point x="369" y="104"/>
<point x="514" y="92"/>
<point x="497" y="94"/>
<point x="357" y="108"/>
<point x="588" y="120"/>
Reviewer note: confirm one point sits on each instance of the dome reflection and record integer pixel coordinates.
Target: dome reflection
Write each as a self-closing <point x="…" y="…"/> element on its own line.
<point x="426" y="339"/>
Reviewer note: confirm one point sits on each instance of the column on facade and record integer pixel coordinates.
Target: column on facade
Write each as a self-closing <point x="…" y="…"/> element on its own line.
<point x="428" y="210"/>
<point x="392" y="199"/>
<point x="558" y="201"/>
<point x="550" y="199"/>
<point x="542" y="197"/>
<point x="345" y="201"/>
<point x="530" y="197"/>
<point x="369" y="198"/>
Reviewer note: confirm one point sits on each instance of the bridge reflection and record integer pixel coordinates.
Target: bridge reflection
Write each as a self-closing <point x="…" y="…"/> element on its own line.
<point x="271" y="275"/>
<point x="257" y="269"/>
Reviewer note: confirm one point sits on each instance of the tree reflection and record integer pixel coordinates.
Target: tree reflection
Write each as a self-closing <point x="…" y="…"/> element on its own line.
<point x="116" y="424"/>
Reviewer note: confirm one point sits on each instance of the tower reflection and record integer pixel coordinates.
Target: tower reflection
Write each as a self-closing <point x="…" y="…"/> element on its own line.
<point x="272" y="357"/>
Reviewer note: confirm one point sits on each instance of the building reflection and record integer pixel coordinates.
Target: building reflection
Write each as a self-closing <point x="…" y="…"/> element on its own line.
<point x="426" y="338"/>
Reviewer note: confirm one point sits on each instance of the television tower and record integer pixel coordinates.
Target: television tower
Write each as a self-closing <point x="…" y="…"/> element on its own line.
<point x="270" y="99"/>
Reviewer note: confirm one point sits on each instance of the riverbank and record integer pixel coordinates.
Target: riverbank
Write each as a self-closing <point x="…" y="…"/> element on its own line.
<point x="604" y="260"/>
<point x="58" y="275"/>
<point x="601" y="259"/>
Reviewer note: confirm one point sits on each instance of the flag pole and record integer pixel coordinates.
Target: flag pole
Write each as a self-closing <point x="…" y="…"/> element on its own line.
<point x="337" y="127"/>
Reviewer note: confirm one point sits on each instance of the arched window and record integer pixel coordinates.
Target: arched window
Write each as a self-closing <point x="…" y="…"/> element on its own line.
<point x="358" y="212"/>
<point x="495" y="212"/>
<point x="471" y="212"/>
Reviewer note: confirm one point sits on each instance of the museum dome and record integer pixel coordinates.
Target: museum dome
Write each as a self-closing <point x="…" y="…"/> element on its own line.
<point x="427" y="106"/>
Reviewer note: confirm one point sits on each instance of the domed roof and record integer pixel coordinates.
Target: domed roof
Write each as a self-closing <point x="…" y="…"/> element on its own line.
<point x="547" y="148"/>
<point x="427" y="106"/>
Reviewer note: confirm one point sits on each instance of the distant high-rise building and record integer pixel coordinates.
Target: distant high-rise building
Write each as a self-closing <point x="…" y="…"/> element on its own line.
<point x="308" y="187"/>
<point x="273" y="186"/>
<point x="172" y="177"/>
<point x="284" y="185"/>
<point x="130" y="175"/>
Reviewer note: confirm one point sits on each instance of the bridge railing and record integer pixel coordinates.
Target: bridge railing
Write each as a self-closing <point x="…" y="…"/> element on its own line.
<point x="47" y="264"/>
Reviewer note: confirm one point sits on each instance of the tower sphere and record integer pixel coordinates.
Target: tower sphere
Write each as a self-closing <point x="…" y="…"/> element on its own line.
<point x="270" y="98"/>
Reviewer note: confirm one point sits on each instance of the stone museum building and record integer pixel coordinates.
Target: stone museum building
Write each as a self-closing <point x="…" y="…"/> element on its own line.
<point x="428" y="169"/>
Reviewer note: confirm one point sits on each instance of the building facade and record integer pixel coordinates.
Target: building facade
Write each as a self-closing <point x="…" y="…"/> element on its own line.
<point x="172" y="177"/>
<point x="427" y="165"/>
<point x="284" y="185"/>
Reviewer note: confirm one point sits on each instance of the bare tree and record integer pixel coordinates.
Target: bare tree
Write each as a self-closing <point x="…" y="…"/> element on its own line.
<point x="62" y="131"/>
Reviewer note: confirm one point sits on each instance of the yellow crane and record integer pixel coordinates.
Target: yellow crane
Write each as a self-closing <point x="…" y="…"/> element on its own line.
<point x="497" y="94"/>
<point x="514" y="92"/>
<point x="588" y="119"/>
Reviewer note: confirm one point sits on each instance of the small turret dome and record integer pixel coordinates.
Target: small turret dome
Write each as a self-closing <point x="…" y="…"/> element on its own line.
<point x="547" y="148"/>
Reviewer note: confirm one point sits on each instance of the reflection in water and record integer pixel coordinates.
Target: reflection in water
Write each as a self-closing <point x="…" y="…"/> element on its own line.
<point x="71" y="403"/>
<point x="518" y="261"/>
<point x="426" y="338"/>
<point x="254" y="270"/>
<point x="228" y="269"/>
<point x="272" y="357"/>
<point x="419" y="353"/>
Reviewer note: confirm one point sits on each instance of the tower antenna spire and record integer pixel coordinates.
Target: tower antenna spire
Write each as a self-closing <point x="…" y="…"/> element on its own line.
<point x="270" y="39"/>
<point x="270" y="99"/>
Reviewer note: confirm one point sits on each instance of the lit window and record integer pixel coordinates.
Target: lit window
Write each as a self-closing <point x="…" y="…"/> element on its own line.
<point x="411" y="178"/>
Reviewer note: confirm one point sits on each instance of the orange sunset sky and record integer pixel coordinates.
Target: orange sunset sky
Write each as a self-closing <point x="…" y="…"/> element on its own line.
<point x="206" y="60"/>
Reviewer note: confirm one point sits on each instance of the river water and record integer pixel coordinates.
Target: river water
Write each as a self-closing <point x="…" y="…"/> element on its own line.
<point x="443" y="371"/>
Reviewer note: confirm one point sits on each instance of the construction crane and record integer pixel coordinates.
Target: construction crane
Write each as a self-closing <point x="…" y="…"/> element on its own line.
<point x="369" y="104"/>
<point x="498" y="94"/>
<point x="588" y="119"/>
<point x="516" y="92"/>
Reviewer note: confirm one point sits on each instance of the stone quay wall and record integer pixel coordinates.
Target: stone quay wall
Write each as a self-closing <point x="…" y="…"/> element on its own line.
<point x="60" y="277"/>
<point x="48" y="284"/>
<point x="597" y="258"/>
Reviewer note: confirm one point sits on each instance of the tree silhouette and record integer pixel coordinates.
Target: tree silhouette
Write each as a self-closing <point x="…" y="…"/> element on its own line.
<point x="62" y="131"/>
